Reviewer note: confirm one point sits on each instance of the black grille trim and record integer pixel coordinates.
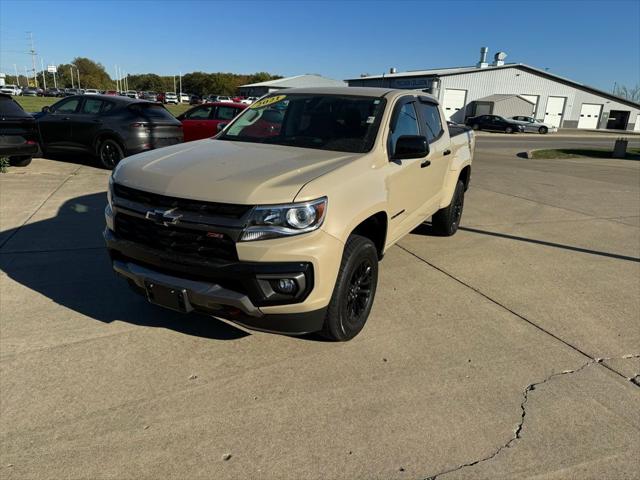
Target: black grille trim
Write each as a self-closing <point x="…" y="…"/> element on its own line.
<point x="155" y="200"/>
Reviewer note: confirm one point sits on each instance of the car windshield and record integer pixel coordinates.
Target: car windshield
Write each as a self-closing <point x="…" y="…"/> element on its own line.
<point x="327" y="122"/>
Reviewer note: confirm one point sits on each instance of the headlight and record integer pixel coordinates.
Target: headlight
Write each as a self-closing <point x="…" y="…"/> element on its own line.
<point x="273" y="221"/>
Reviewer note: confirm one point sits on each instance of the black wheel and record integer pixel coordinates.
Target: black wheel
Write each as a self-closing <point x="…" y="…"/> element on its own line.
<point x="354" y="292"/>
<point x="475" y="126"/>
<point x="543" y="130"/>
<point x="109" y="153"/>
<point x="508" y="130"/>
<point x="446" y="221"/>
<point x="20" y="161"/>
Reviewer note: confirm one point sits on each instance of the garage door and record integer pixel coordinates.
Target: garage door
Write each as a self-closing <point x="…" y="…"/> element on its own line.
<point x="554" y="111"/>
<point x="589" y="115"/>
<point x="533" y="99"/>
<point x="636" y="127"/>
<point x="454" y="101"/>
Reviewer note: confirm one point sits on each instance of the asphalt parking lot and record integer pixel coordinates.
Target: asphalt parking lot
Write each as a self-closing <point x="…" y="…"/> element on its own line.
<point x="511" y="350"/>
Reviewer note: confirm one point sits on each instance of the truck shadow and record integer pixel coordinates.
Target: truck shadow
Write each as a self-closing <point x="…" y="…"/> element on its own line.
<point x="64" y="259"/>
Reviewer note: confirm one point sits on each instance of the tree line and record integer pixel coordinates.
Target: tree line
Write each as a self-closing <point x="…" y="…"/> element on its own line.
<point x="94" y="75"/>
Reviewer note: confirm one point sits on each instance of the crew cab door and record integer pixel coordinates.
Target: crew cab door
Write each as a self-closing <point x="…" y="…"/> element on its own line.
<point x="434" y="128"/>
<point x="406" y="178"/>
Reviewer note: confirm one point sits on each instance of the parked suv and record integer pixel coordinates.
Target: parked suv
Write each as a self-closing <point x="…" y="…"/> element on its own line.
<point x="279" y="222"/>
<point x="107" y="126"/>
<point x="18" y="139"/>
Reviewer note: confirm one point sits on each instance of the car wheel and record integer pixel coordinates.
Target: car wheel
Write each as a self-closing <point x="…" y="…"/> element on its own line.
<point x="109" y="153"/>
<point x="354" y="292"/>
<point x="543" y="130"/>
<point x="508" y="130"/>
<point x="445" y="222"/>
<point x="475" y="126"/>
<point x="20" y="160"/>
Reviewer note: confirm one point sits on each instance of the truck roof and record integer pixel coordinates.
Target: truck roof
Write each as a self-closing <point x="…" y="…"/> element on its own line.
<point x="360" y="91"/>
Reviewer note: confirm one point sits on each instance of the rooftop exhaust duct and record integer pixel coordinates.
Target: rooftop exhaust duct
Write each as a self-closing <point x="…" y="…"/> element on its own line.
<point x="483" y="58"/>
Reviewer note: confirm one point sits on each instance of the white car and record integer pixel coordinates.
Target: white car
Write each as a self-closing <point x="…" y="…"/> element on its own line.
<point x="185" y="98"/>
<point x="534" y="126"/>
<point x="91" y="91"/>
<point x="131" y="94"/>
<point x="248" y="100"/>
<point x="171" y="97"/>
<point x="11" y="90"/>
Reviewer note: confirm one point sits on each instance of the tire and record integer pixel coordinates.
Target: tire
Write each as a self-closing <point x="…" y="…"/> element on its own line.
<point x="543" y="130"/>
<point x="351" y="301"/>
<point x="20" y="160"/>
<point x="475" y="126"/>
<point x="109" y="153"/>
<point x="508" y="130"/>
<point x="445" y="222"/>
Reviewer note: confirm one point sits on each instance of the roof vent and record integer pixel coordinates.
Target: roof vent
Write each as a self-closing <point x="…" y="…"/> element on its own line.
<point x="483" y="58"/>
<point x="393" y="70"/>
<point x="498" y="59"/>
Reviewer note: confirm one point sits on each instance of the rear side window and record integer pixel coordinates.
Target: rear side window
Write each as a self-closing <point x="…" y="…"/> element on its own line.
<point x="92" y="106"/>
<point x="226" y="113"/>
<point x="155" y="112"/>
<point x="431" y="118"/>
<point x="200" y="113"/>
<point x="9" y="107"/>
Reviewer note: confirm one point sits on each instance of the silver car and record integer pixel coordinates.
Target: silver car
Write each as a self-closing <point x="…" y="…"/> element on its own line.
<point x="534" y="126"/>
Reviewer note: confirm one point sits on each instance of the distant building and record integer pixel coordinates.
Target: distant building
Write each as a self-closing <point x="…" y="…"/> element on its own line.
<point x="299" y="81"/>
<point x="510" y="89"/>
<point x="2" y="79"/>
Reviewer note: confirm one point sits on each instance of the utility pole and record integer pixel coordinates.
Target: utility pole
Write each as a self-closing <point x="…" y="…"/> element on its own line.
<point x="71" y="72"/>
<point x="33" y="60"/>
<point x="180" y="97"/>
<point x="44" y="79"/>
<point x="116" y="77"/>
<point x="26" y="74"/>
<point x="78" y="72"/>
<point x="55" y="82"/>
<point x="17" y="77"/>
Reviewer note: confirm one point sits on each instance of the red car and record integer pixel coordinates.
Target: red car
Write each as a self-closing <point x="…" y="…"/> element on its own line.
<point x="202" y="121"/>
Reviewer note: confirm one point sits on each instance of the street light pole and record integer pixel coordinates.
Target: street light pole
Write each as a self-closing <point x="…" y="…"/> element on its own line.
<point x="26" y="74"/>
<point x="180" y="97"/>
<point x="17" y="77"/>
<point x="44" y="79"/>
<point x="71" y="72"/>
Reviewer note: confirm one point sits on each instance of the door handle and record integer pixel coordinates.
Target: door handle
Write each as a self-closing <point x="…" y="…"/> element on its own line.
<point x="425" y="164"/>
<point x="447" y="152"/>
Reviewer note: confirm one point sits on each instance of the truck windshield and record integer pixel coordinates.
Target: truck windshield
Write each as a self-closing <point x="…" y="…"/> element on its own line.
<point x="327" y="122"/>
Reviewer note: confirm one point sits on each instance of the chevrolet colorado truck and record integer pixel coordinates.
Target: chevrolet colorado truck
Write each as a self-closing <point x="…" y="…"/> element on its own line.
<point x="279" y="221"/>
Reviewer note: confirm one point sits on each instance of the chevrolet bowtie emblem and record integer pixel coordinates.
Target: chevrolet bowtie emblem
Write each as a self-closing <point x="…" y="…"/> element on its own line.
<point x="163" y="217"/>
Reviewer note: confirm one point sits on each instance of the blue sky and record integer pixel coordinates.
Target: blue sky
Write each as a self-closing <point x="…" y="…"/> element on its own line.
<point x="594" y="42"/>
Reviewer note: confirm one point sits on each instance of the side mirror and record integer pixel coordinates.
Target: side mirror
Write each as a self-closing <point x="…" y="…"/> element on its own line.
<point x="221" y="126"/>
<point x="46" y="109"/>
<point x="410" y="146"/>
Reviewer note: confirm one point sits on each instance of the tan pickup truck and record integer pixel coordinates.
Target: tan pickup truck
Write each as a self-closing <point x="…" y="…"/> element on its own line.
<point x="278" y="223"/>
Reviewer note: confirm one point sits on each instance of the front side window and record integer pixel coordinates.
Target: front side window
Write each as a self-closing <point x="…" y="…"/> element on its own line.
<point x="68" y="106"/>
<point x="327" y="122"/>
<point x="431" y="116"/>
<point x="92" y="106"/>
<point x="406" y="124"/>
<point x="226" y="113"/>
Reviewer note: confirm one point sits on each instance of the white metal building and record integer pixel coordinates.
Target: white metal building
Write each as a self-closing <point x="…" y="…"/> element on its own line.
<point x="556" y="100"/>
<point x="299" y="81"/>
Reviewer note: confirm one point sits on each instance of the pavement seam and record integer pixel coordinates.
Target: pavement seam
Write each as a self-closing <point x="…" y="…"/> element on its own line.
<point x="72" y="174"/>
<point x="519" y="427"/>
<point x="513" y="312"/>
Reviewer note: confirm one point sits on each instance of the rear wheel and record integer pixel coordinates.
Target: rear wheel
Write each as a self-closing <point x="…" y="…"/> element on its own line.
<point x="354" y="292"/>
<point x="20" y="160"/>
<point x="446" y="221"/>
<point x="109" y="153"/>
<point x="543" y="130"/>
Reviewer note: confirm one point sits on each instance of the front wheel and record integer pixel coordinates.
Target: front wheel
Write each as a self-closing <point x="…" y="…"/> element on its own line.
<point x="354" y="292"/>
<point x="109" y="153"/>
<point x="446" y="221"/>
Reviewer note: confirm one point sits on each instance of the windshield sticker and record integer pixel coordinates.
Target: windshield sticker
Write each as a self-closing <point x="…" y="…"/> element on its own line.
<point x="371" y="119"/>
<point x="376" y="101"/>
<point x="265" y="102"/>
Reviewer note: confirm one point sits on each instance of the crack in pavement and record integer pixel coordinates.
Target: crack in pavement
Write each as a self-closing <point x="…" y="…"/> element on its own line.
<point x="525" y="398"/>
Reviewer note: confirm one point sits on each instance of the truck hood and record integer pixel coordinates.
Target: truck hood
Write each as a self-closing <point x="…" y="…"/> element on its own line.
<point x="228" y="172"/>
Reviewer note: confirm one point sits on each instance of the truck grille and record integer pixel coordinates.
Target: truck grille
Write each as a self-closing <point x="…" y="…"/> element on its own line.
<point x="174" y="239"/>
<point x="162" y="201"/>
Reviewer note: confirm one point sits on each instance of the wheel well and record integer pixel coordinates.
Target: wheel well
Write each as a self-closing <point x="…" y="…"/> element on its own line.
<point x="375" y="229"/>
<point x="465" y="176"/>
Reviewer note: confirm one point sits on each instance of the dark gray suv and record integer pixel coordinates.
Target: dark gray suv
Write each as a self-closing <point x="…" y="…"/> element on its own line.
<point x="109" y="127"/>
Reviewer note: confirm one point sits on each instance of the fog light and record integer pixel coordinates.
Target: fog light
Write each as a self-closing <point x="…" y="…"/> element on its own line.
<point x="286" y="286"/>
